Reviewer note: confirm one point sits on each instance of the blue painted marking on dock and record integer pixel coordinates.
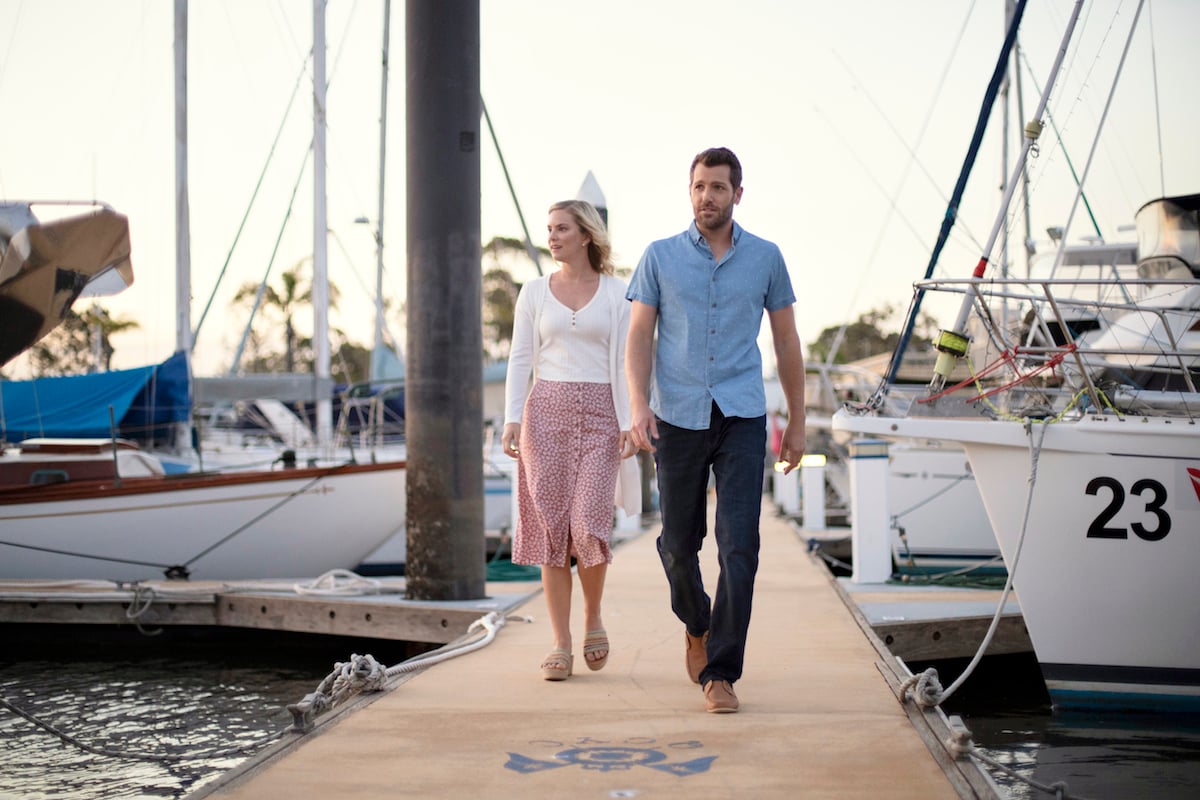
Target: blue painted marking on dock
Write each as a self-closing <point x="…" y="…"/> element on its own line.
<point x="607" y="757"/>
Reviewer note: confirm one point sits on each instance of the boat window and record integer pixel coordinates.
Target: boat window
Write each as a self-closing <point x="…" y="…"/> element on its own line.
<point x="44" y="477"/>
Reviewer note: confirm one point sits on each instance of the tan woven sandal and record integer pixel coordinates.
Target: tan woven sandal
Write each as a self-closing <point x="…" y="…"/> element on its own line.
<point x="595" y="642"/>
<point x="557" y="665"/>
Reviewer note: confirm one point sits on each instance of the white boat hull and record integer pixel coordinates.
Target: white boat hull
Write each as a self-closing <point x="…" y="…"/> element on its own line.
<point x="1107" y="571"/>
<point x="285" y="524"/>
<point x="934" y="502"/>
<point x="391" y="556"/>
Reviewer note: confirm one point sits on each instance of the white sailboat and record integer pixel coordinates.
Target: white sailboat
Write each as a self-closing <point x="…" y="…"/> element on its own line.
<point x="79" y="509"/>
<point x="1081" y="420"/>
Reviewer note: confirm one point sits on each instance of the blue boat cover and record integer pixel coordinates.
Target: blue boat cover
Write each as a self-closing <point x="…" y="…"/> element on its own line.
<point x="144" y="402"/>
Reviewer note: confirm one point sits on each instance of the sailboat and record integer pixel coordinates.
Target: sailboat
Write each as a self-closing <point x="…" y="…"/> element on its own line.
<point x="1081" y="419"/>
<point x="93" y="507"/>
<point x="88" y="504"/>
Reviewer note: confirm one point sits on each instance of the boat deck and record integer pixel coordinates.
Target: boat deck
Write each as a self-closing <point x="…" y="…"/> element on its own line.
<point x="819" y="717"/>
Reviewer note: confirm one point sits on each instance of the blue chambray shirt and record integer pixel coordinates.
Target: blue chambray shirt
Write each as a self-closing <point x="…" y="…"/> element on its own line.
<point x="709" y="318"/>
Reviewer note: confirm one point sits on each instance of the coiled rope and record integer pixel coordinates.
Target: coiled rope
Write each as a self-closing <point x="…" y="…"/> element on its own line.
<point x="340" y="583"/>
<point x="365" y="674"/>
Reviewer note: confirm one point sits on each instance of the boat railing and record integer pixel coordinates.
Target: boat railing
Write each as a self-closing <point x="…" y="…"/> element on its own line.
<point x="1066" y="328"/>
<point x="365" y="404"/>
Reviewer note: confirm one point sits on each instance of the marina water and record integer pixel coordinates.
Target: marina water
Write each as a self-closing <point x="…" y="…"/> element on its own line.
<point x="1096" y="755"/>
<point x="176" y="702"/>
<point x="185" y="699"/>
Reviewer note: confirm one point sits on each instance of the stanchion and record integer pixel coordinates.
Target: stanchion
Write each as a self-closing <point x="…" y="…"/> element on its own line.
<point x="787" y="491"/>
<point x="869" y="511"/>
<point x="812" y="480"/>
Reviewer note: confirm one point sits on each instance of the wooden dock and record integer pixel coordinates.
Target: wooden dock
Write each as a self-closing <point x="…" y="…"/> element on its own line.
<point x="920" y="619"/>
<point x="930" y="623"/>
<point x="819" y="718"/>
<point x="820" y="715"/>
<point x="380" y="613"/>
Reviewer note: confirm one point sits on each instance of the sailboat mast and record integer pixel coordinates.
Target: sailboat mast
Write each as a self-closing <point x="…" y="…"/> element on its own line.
<point x="383" y="93"/>
<point x="951" y="343"/>
<point x="183" y="236"/>
<point x="320" y="288"/>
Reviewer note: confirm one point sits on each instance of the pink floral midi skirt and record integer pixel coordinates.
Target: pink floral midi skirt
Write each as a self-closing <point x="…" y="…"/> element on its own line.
<point x="569" y="457"/>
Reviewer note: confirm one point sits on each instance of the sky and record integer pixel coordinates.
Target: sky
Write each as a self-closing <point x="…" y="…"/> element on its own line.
<point x="851" y="120"/>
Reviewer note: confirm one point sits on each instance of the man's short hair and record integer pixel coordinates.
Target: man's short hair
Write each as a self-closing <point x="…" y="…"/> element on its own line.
<point x="715" y="157"/>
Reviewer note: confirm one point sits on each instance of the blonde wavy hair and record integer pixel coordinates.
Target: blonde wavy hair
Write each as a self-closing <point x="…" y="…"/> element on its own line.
<point x="588" y="219"/>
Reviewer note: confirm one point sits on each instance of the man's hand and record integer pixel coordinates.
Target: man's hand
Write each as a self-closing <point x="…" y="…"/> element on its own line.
<point x="644" y="429"/>
<point x="791" y="450"/>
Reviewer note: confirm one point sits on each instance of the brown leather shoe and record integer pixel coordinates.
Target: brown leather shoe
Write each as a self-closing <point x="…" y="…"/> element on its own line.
<point x="719" y="697"/>
<point x="697" y="654"/>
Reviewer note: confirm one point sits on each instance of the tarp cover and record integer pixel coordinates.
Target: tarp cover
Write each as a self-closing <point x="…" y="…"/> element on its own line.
<point x="77" y="406"/>
<point x="44" y="267"/>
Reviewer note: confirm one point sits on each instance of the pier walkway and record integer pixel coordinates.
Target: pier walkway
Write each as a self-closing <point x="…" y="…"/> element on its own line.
<point x="819" y="716"/>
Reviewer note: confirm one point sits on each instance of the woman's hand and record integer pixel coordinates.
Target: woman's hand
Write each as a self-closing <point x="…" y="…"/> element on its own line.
<point x="627" y="446"/>
<point x="509" y="439"/>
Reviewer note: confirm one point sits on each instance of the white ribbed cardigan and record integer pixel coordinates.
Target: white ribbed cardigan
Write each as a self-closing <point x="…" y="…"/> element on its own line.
<point x="522" y="362"/>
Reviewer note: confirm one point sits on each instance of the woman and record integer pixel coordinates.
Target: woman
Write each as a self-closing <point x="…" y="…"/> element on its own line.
<point x="570" y="430"/>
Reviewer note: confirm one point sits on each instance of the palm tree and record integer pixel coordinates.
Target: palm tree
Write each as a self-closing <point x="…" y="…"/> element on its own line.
<point x="293" y="293"/>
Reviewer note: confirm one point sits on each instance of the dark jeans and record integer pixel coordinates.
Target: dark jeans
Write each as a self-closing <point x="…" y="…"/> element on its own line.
<point x="734" y="448"/>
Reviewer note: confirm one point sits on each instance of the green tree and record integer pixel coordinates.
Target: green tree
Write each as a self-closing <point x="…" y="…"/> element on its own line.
<point x="81" y="344"/>
<point x="351" y="363"/>
<point x="499" y="311"/>
<point x="281" y="302"/>
<point x="868" y="336"/>
<point x="499" y="291"/>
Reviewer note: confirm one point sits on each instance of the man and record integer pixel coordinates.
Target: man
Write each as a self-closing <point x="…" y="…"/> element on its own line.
<point x="706" y="290"/>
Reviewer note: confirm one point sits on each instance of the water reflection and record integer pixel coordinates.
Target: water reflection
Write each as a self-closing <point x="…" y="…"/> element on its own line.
<point x="1098" y="755"/>
<point x="173" y="698"/>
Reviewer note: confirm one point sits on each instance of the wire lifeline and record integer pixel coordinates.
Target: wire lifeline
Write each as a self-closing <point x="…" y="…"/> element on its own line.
<point x="293" y="495"/>
<point x="957" y="480"/>
<point x="181" y="570"/>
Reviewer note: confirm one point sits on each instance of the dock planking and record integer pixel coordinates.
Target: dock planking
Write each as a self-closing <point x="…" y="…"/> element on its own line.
<point x="922" y="620"/>
<point x="820" y="716"/>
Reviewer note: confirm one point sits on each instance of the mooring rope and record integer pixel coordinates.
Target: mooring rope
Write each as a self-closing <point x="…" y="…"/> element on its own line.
<point x="959" y="744"/>
<point x="340" y="583"/>
<point x="925" y="689"/>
